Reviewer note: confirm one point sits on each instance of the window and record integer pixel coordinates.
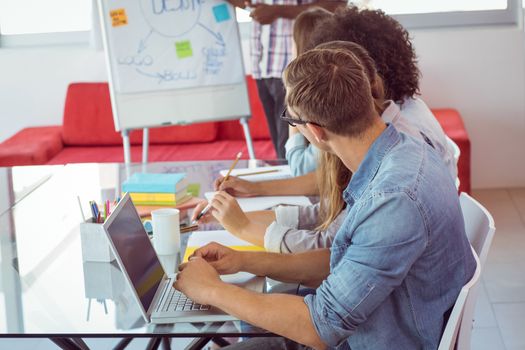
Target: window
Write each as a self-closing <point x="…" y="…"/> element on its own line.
<point x="412" y="7"/>
<point x="444" y="13"/>
<point x="44" y="22"/>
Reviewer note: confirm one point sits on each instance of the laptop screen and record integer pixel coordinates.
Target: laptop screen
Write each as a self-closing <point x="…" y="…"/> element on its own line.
<point x="136" y="252"/>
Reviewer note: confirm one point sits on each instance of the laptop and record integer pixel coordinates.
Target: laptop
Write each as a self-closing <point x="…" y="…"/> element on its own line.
<point x="152" y="288"/>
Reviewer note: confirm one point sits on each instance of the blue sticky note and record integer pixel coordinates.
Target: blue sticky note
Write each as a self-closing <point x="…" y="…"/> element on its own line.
<point x="221" y="13"/>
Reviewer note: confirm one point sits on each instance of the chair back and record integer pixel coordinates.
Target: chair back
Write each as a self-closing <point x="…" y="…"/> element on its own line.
<point x="480" y="229"/>
<point x="479" y="226"/>
<point x="456" y="154"/>
<point x="456" y="322"/>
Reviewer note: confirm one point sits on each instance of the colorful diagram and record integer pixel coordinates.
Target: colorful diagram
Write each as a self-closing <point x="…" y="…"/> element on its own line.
<point x="171" y="44"/>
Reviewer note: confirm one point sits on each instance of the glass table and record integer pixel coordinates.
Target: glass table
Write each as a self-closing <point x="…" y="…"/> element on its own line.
<point x="46" y="290"/>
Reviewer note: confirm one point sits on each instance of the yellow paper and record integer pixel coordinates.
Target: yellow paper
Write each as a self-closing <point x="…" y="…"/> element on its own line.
<point x="118" y="17"/>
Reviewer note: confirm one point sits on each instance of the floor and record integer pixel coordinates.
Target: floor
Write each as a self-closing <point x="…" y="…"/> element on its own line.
<point x="500" y="310"/>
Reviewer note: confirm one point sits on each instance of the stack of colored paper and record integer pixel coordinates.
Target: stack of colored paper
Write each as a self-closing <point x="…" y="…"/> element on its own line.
<point x="157" y="189"/>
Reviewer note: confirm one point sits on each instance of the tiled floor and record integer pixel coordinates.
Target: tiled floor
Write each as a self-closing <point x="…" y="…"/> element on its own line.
<point x="500" y="310"/>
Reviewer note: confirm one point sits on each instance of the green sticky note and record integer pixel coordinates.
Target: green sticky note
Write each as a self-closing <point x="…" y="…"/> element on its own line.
<point x="194" y="189"/>
<point x="183" y="49"/>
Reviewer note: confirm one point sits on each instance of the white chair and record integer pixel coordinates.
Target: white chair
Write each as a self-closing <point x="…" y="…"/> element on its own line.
<point x="480" y="229"/>
<point x="456" y="153"/>
<point x="479" y="226"/>
<point x="458" y="318"/>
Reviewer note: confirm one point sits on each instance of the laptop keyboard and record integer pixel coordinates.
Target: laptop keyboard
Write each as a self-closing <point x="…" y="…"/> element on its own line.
<point x="176" y="301"/>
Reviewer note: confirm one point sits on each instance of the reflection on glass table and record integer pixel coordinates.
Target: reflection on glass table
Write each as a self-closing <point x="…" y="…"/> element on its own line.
<point x="47" y="290"/>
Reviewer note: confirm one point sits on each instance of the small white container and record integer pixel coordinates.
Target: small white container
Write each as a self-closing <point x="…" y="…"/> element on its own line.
<point x="166" y="231"/>
<point x="95" y="245"/>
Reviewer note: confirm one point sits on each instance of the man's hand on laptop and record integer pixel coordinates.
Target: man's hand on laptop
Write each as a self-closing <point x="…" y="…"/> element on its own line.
<point x="225" y="260"/>
<point x="199" y="277"/>
<point x="198" y="280"/>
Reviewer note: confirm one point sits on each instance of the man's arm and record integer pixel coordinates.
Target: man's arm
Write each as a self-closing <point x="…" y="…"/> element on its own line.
<point x="292" y="11"/>
<point x="308" y="268"/>
<point x="266" y="14"/>
<point x="286" y="315"/>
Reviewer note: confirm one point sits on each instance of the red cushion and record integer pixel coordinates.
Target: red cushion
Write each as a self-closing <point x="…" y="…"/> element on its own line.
<point x="31" y="146"/>
<point x="88" y="121"/>
<point x="158" y="153"/>
<point x="232" y="130"/>
<point x="452" y="124"/>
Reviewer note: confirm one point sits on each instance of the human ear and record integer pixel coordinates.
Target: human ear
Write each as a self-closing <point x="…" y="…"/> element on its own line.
<point x="318" y="132"/>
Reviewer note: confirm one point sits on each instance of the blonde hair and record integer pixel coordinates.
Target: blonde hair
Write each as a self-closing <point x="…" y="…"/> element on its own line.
<point x="305" y="24"/>
<point x="332" y="175"/>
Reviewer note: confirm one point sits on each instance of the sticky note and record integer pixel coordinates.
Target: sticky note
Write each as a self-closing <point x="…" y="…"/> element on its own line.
<point x="221" y="13"/>
<point x="183" y="49"/>
<point x="118" y="17"/>
<point x="194" y="189"/>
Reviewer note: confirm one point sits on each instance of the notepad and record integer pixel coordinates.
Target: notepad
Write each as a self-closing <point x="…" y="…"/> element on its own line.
<point x="266" y="202"/>
<point x="201" y="238"/>
<point x="281" y="172"/>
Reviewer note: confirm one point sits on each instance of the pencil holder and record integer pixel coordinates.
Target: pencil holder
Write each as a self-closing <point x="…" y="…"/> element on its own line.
<point x="95" y="245"/>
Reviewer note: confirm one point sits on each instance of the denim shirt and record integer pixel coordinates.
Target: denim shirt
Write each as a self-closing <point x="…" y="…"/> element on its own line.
<point x="401" y="256"/>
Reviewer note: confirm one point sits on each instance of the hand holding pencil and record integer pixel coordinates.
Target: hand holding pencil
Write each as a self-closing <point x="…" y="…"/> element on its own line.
<point x="208" y="207"/>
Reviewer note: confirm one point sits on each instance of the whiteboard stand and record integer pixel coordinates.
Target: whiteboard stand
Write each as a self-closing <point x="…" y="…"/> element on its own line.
<point x="145" y="145"/>
<point x="248" y="137"/>
<point x="127" y="148"/>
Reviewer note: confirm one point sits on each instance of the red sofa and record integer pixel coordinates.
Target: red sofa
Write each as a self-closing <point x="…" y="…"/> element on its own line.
<point x="87" y="135"/>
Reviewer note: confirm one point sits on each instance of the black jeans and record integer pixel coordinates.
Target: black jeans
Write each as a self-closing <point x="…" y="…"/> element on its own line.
<point x="271" y="92"/>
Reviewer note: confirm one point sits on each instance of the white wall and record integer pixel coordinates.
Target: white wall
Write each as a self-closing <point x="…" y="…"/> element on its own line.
<point x="33" y="83"/>
<point x="479" y="71"/>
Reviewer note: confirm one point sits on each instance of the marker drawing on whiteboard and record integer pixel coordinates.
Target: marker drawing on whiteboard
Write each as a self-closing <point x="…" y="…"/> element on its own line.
<point x="136" y="60"/>
<point x="161" y="6"/>
<point x="169" y="75"/>
<point x="218" y="36"/>
<point x="212" y="63"/>
<point x="143" y="42"/>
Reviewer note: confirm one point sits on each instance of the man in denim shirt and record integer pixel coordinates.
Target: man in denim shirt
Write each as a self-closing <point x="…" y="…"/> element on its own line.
<point x="398" y="261"/>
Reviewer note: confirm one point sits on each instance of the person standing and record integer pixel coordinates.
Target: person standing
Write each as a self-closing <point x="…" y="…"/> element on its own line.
<point x="271" y="49"/>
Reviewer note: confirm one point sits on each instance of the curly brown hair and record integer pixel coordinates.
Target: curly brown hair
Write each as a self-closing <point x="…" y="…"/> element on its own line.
<point x="387" y="42"/>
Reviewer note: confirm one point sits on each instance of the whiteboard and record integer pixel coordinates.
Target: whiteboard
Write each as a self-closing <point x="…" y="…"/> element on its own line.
<point x="173" y="62"/>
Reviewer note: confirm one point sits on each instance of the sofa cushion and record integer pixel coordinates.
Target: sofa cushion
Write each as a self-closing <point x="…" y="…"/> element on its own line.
<point x="232" y="130"/>
<point x="31" y="146"/>
<point x="88" y="121"/>
<point x="216" y="150"/>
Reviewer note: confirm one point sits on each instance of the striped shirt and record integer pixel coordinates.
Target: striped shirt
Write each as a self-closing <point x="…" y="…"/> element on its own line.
<point x="271" y="45"/>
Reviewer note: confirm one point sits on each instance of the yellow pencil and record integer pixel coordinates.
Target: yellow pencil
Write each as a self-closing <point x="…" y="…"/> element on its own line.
<point x="208" y="207"/>
<point x="259" y="172"/>
<point x="239" y="155"/>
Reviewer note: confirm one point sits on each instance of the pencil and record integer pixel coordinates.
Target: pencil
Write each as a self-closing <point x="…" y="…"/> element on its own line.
<point x="233" y="166"/>
<point x="208" y="207"/>
<point x="259" y="172"/>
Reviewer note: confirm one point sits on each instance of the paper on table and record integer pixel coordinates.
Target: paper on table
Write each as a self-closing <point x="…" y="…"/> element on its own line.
<point x="265" y="202"/>
<point x="201" y="238"/>
<point x="283" y="172"/>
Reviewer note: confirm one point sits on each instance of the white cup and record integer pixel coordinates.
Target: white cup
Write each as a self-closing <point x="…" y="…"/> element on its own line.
<point x="166" y="231"/>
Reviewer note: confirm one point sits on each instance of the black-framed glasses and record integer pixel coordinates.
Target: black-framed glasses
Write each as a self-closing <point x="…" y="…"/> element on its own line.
<point x="292" y="121"/>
